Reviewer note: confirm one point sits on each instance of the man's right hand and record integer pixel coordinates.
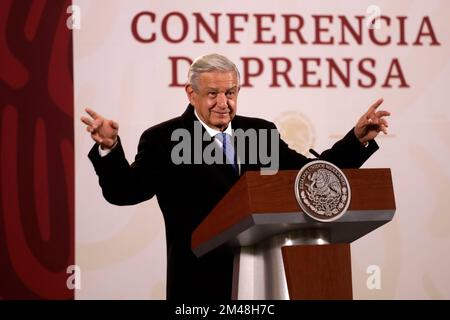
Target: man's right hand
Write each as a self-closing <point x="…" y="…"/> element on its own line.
<point x="102" y="130"/>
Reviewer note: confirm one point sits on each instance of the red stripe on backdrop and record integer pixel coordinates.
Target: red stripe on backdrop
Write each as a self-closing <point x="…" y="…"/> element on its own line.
<point x="36" y="150"/>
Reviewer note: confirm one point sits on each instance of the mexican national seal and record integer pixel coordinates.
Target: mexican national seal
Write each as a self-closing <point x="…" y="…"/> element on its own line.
<point x="322" y="191"/>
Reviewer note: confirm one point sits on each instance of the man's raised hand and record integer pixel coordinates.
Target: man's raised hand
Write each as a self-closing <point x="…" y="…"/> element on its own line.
<point x="102" y="130"/>
<point x="372" y="123"/>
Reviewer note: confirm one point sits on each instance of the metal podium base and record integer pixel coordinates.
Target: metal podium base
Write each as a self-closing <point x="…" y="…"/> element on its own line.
<point x="259" y="272"/>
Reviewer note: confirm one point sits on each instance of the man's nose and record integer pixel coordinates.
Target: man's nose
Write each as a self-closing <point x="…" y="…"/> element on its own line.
<point x="221" y="100"/>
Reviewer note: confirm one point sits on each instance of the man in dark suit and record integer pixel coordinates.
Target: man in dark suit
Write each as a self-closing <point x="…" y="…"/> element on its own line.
<point x="188" y="191"/>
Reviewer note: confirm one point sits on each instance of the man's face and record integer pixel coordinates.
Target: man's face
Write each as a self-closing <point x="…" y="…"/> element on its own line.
<point x="215" y="99"/>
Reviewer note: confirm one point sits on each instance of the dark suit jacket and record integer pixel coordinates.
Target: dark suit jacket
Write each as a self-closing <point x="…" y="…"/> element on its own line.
<point x="187" y="193"/>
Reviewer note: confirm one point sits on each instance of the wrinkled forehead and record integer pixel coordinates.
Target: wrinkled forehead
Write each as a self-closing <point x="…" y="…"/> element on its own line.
<point x="218" y="80"/>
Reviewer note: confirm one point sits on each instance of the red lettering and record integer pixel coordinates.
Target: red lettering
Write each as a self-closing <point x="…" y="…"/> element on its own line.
<point x="332" y="65"/>
<point x="260" y="29"/>
<point x="134" y="27"/>
<point x="391" y="75"/>
<point x="345" y="25"/>
<point x="372" y="33"/>
<point x="213" y="34"/>
<point x="233" y="29"/>
<point x="363" y="70"/>
<point x="174" y="66"/>
<point x="184" y="27"/>
<point x="401" y="41"/>
<point x="426" y="23"/>
<point x="306" y="72"/>
<point x="288" y="29"/>
<point x="284" y="73"/>
<point x="247" y="74"/>
<point x="321" y="29"/>
<point x="326" y="29"/>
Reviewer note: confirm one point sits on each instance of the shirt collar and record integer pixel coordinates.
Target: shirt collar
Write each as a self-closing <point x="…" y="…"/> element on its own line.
<point x="212" y="132"/>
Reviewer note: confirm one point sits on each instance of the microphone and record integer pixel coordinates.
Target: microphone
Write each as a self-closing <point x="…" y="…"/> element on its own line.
<point x="314" y="153"/>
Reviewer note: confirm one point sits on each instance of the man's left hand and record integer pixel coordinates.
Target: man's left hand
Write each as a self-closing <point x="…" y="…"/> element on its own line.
<point x="372" y="123"/>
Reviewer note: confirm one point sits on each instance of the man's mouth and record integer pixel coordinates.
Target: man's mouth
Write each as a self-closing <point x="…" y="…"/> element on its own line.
<point x="221" y="112"/>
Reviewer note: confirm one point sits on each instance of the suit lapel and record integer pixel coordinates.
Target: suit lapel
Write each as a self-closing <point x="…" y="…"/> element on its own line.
<point x="237" y="123"/>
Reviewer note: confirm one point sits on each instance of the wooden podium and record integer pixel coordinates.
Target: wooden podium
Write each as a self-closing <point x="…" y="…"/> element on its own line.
<point x="280" y="252"/>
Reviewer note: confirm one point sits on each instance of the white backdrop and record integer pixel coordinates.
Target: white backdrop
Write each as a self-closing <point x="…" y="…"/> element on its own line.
<point x="121" y="250"/>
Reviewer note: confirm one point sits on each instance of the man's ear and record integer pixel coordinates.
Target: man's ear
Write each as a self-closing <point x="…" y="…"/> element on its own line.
<point x="190" y="93"/>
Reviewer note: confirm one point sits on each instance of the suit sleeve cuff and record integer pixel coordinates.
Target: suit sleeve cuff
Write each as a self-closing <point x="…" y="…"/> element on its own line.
<point x="105" y="152"/>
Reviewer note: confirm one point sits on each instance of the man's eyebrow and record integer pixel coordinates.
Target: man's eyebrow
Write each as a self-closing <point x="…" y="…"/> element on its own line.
<point x="216" y="89"/>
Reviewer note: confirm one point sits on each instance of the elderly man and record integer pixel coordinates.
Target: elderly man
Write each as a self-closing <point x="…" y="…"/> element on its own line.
<point x="187" y="192"/>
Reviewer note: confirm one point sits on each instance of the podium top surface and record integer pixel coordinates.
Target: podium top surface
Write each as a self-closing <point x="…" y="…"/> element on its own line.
<point x="258" y="207"/>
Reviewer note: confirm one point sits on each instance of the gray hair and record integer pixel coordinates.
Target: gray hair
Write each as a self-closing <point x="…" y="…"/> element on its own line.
<point x="210" y="63"/>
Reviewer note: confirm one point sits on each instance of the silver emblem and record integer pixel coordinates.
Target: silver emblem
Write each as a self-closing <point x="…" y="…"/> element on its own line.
<point x="322" y="191"/>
